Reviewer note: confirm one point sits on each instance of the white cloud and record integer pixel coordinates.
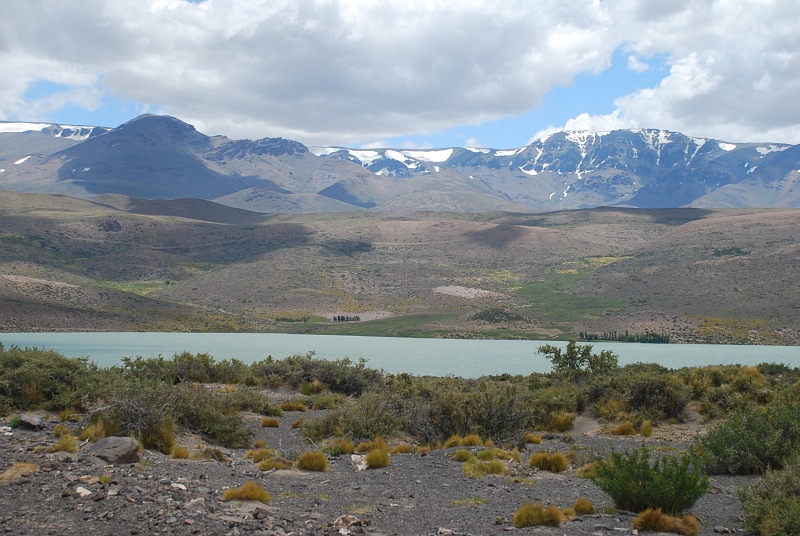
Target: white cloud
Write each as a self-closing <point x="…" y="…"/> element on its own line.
<point x="635" y="64"/>
<point x="348" y="71"/>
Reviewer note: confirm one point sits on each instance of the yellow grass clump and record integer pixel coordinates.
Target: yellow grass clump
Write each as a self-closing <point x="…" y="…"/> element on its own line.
<point x="270" y="422"/>
<point x="583" y="506"/>
<point x="376" y="444"/>
<point x="65" y="443"/>
<point x="531" y="437"/>
<point x="293" y="405"/>
<point x="624" y="429"/>
<point x="658" y="521"/>
<point x="180" y="453"/>
<point x="534" y="515"/>
<point x="462" y="455"/>
<point x="475" y="468"/>
<point x="377" y="458"/>
<point x="561" y="422"/>
<point x="646" y="429"/>
<point x="403" y="448"/>
<point x="555" y="462"/>
<point x="313" y="460"/>
<point x="249" y="491"/>
<point x="17" y="471"/>
<point x="453" y="441"/>
<point x="471" y="440"/>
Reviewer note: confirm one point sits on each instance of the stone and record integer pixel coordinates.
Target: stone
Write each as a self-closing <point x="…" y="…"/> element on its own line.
<point x="31" y="421"/>
<point x="116" y="450"/>
<point x="719" y="529"/>
<point x="83" y="492"/>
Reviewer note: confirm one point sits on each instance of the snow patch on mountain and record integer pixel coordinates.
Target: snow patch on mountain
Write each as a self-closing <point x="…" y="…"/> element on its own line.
<point x="437" y="155"/>
<point x="726" y="146"/>
<point x="771" y="149"/>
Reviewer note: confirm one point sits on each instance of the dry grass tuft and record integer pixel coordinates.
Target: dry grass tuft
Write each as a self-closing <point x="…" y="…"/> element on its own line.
<point x="534" y="515"/>
<point x="403" y="448"/>
<point x="583" y="506"/>
<point x="180" y="453"/>
<point x="65" y="443"/>
<point x="646" y="429"/>
<point x="17" y="471"/>
<point x="658" y="521"/>
<point x="561" y="422"/>
<point x="626" y="428"/>
<point x="293" y="405"/>
<point x="472" y="440"/>
<point x="270" y="422"/>
<point x="249" y="491"/>
<point x="376" y="444"/>
<point x="555" y="462"/>
<point x="377" y="459"/>
<point x="462" y="455"/>
<point x="313" y="461"/>
<point x="531" y="437"/>
<point x="474" y="468"/>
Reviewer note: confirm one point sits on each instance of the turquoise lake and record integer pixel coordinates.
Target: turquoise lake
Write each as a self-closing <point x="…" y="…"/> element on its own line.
<point x="435" y="357"/>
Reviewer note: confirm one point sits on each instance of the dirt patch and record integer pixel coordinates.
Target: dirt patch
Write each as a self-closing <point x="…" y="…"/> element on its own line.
<point x="467" y="292"/>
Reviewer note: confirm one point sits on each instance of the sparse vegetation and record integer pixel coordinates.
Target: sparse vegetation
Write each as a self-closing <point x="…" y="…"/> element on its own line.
<point x="657" y="521"/>
<point x="772" y="505"/>
<point x="313" y="461"/>
<point x="554" y="462"/>
<point x="249" y="491"/>
<point x="377" y="458"/>
<point x="534" y="515"/>
<point x="635" y="484"/>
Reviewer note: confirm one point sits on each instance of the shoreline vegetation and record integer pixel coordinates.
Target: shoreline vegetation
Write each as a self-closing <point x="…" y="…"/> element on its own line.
<point x="749" y="424"/>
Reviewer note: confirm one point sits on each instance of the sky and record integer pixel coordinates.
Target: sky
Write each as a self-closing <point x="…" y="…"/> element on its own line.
<point x="408" y="73"/>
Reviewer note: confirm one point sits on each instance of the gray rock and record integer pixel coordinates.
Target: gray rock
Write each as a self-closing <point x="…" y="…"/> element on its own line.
<point x="116" y="450"/>
<point x="719" y="529"/>
<point x="31" y="421"/>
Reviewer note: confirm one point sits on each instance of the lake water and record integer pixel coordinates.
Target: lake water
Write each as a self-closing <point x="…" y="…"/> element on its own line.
<point x="436" y="357"/>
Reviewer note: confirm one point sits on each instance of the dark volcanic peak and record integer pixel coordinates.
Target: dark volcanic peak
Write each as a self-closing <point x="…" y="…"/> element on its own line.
<point x="263" y="147"/>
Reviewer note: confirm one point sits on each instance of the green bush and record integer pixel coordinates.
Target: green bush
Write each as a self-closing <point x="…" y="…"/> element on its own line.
<point x="636" y="484"/>
<point x="31" y="378"/>
<point x="750" y="440"/>
<point x="772" y="505"/>
<point x="372" y="414"/>
<point x="341" y="375"/>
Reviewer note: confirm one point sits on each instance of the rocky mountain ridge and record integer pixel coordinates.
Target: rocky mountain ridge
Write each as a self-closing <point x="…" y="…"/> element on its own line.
<point x="160" y="157"/>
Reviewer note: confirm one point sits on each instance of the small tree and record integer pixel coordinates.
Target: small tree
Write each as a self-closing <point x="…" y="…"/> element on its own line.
<point x="577" y="358"/>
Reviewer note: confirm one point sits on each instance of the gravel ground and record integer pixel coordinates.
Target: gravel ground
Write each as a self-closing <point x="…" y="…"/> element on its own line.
<point x="417" y="494"/>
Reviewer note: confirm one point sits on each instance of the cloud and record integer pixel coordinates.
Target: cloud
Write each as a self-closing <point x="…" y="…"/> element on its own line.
<point x="637" y="65"/>
<point x="348" y="71"/>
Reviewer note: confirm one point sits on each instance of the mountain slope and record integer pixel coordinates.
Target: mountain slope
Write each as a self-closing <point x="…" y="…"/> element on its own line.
<point x="160" y="157"/>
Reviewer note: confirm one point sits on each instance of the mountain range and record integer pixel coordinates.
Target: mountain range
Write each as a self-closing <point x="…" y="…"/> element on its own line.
<point x="161" y="157"/>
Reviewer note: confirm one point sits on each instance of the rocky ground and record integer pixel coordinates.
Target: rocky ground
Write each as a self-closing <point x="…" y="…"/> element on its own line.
<point x="417" y="494"/>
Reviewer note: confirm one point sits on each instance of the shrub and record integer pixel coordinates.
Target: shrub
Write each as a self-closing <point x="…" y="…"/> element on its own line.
<point x="376" y="444"/>
<point x="646" y="429"/>
<point x="377" y="459"/>
<point x="583" y="506"/>
<point x="533" y="515"/>
<point x="772" y="505"/>
<point x="462" y="455"/>
<point x="475" y="468"/>
<point x="403" y="448"/>
<point x="635" y="484"/>
<point x="293" y="405"/>
<point x="258" y="455"/>
<point x="17" y="471"/>
<point x="486" y="455"/>
<point x="586" y="471"/>
<point x="327" y="401"/>
<point x="270" y="422"/>
<point x="313" y="387"/>
<point x="313" y="461"/>
<point x="275" y="462"/>
<point x="555" y="463"/>
<point x="626" y="428"/>
<point x="65" y="443"/>
<point x="561" y="422"/>
<point x="471" y="440"/>
<point x="341" y="446"/>
<point x="750" y="441"/>
<point x="180" y="453"/>
<point x="210" y="453"/>
<point x="536" y="439"/>
<point x="249" y="491"/>
<point x="658" y="521"/>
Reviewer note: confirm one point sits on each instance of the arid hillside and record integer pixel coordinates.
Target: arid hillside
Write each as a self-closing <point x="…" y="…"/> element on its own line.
<point x="118" y="263"/>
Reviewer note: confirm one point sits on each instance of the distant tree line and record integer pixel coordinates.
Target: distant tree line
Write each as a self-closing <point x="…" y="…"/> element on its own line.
<point x="346" y="318"/>
<point x="647" y="336"/>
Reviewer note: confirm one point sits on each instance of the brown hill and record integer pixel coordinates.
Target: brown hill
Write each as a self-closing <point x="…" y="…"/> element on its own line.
<point x="720" y="275"/>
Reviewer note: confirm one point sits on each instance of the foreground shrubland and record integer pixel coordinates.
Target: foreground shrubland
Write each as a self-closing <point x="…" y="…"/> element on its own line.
<point x="753" y="411"/>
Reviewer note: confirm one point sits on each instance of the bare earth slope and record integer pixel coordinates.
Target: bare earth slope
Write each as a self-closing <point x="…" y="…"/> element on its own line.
<point x="125" y="264"/>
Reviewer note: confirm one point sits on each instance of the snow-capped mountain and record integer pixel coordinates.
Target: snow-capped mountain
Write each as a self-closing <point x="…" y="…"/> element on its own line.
<point x="161" y="157"/>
